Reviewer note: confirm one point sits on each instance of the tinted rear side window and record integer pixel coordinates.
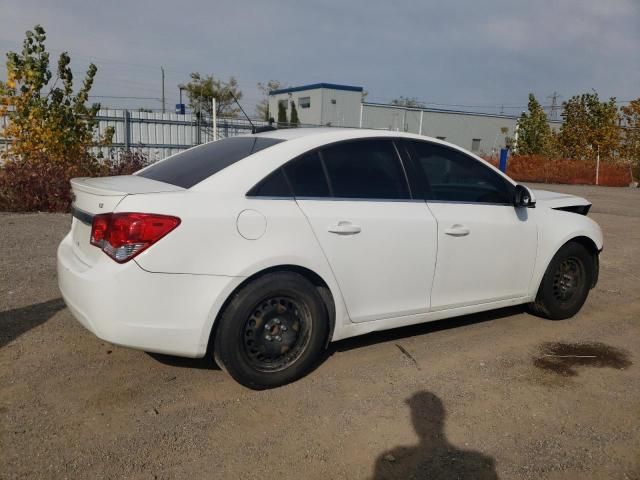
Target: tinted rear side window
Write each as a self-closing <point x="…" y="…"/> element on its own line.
<point x="365" y="169"/>
<point x="307" y="177"/>
<point x="274" y="185"/>
<point x="195" y="165"/>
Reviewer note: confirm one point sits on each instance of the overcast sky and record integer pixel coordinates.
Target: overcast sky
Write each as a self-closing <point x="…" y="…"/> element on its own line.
<point x="468" y="52"/>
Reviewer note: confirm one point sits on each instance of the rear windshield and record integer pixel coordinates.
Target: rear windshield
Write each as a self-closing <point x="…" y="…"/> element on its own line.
<point x="196" y="164"/>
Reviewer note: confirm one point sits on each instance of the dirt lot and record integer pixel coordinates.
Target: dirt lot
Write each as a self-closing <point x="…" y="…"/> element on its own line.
<point x="473" y="397"/>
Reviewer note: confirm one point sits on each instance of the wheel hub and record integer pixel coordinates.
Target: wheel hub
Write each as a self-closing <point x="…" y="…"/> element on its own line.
<point x="274" y="329"/>
<point x="566" y="283"/>
<point x="567" y="279"/>
<point x="275" y="333"/>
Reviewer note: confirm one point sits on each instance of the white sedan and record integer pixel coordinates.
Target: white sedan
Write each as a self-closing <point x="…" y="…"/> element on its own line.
<point x="264" y="248"/>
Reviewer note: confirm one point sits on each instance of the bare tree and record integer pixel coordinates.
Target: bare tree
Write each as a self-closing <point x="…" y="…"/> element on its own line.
<point x="262" y="108"/>
<point x="201" y="90"/>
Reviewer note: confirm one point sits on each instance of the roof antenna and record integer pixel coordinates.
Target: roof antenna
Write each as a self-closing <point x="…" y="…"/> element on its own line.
<point x="254" y="129"/>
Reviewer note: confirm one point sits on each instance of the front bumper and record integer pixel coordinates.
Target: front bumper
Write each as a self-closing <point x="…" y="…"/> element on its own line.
<point x="128" y="306"/>
<point x="596" y="268"/>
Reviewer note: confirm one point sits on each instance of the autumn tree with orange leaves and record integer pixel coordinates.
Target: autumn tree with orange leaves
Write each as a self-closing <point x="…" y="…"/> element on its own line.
<point x="590" y="127"/>
<point x="50" y="129"/>
<point x="630" y="148"/>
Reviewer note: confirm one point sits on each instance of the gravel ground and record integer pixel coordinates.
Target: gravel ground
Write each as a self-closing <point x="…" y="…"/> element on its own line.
<point x="473" y="397"/>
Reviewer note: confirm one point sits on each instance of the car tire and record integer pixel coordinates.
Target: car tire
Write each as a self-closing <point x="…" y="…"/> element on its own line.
<point x="566" y="283"/>
<point x="272" y="332"/>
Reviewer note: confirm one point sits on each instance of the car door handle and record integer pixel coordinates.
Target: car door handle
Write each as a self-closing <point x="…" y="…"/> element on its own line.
<point x="345" y="228"/>
<point x="457" y="231"/>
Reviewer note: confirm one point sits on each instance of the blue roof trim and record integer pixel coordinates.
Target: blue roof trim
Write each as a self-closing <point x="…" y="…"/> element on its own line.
<point x="313" y="86"/>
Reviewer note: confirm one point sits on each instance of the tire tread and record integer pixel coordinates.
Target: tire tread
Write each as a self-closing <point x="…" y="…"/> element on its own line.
<point x="543" y="305"/>
<point x="226" y="351"/>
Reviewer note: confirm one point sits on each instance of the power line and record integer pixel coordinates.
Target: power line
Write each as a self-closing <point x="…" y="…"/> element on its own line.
<point x="553" y="114"/>
<point x="124" y="97"/>
<point x="97" y="60"/>
<point x="494" y="106"/>
<point x="163" y="98"/>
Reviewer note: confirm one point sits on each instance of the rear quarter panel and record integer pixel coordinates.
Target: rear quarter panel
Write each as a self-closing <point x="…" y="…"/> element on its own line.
<point x="208" y="241"/>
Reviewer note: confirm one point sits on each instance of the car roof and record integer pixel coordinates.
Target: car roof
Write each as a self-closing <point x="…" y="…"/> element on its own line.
<point x="302" y="132"/>
<point x="329" y="134"/>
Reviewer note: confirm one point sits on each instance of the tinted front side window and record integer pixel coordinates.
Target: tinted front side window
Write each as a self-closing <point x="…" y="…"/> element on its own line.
<point x="454" y="176"/>
<point x="307" y="177"/>
<point x="196" y="164"/>
<point x="365" y="169"/>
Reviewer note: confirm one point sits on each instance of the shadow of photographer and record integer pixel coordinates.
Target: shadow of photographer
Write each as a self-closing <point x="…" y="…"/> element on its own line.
<point x="433" y="457"/>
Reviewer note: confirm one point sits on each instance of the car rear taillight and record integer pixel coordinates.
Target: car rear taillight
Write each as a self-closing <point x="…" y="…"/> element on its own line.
<point x="122" y="236"/>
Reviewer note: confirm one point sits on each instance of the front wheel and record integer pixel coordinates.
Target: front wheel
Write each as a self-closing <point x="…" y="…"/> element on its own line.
<point x="566" y="283"/>
<point x="272" y="331"/>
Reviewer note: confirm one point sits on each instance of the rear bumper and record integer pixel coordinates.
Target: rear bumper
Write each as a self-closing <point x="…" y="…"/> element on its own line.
<point x="128" y="306"/>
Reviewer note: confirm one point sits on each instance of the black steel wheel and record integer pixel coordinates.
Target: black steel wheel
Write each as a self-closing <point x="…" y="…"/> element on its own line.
<point x="566" y="283"/>
<point x="276" y="333"/>
<point x="272" y="331"/>
<point x="568" y="280"/>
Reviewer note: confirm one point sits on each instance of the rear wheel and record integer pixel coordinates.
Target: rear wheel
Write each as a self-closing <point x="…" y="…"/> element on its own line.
<point x="566" y="283"/>
<point x="272" y="332"/>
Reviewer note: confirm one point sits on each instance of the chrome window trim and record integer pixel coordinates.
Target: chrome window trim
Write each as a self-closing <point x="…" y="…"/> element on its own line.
<point x="378" y="200"/>
<point x="349" y="199"/>
<point x="267" y="197"/>
<point x="467" y="202"/>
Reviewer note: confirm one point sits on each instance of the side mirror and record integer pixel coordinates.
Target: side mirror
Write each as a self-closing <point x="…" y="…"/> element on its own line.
<point x="522" y="197"/>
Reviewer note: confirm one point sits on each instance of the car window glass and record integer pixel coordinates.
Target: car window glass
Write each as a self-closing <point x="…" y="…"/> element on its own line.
<point x="454" y="176"/>
<point x="274" y="185"/>
<point x="365" y="169"/>
<point x="192" y="166"/>
<point x="307" y="177"/>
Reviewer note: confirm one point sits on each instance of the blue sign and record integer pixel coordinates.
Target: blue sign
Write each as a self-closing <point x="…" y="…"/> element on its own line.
<point x="180" y="108"/>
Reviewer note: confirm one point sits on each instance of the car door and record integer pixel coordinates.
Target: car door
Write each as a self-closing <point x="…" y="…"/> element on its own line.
<point x="380" y="243"/>
<point x="486" y="246"/>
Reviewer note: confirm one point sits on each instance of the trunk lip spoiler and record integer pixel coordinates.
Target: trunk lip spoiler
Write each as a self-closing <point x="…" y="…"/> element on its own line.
<point x="121" y="185"/>
<point x="81" y="215"/>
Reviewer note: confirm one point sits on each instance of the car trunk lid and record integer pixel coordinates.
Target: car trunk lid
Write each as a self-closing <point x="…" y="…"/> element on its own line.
<point x="93" y="196"/>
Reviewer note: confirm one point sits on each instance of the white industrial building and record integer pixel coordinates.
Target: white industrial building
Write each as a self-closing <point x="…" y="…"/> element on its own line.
<point x="343" y="106"/>
<point x="320" y="104"/>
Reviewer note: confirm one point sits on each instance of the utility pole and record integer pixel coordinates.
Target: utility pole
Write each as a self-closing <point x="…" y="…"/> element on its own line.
<point x="214" y="119"/>
<point x="163" y="102"/>
<point x="516" y="132"/>
<point x="598" y="165"/>
<point x="553" y="114"/>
